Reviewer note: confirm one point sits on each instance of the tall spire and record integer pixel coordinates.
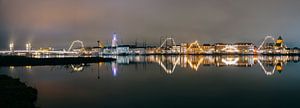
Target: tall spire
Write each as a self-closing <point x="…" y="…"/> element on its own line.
<point x="114" y="40"/>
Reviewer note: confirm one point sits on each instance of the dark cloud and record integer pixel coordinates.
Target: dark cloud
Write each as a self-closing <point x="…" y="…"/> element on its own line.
<point x="57" y="22"/>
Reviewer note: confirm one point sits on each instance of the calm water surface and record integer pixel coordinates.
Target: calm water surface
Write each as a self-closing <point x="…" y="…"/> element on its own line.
<point x="167" y="81"/>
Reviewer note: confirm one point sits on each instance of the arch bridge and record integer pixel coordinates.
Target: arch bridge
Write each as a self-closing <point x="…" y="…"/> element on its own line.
<point x="74" y="42"/>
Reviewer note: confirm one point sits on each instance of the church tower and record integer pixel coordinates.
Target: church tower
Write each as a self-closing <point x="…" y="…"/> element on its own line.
<point x="279" y="42"/>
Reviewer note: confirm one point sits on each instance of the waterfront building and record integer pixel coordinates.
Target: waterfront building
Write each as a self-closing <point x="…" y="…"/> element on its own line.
<point x="174" y="49"/>
<point x="208" y="49"/>
<point x="245" y="48"/>
<point x="268" y="48"/>
<point x="279" y="46"/>
<point x="194" y="48"/>
<point x="295" y="50"/>
<point x="236" y="48"/>
<point x="225" y="48"/>
<point x="123" y="49"/>
<point x="150" y="50"/>
<point x="279" y="43"/>
<point x="139" y="50"/>
<point x="183" y="48"/>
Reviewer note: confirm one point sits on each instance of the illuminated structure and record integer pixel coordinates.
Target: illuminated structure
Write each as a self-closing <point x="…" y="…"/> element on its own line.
<point x="114" y="41"/>
<point x="274" y="47"/>
<point x="263" y="44"/>
<point x="279" y="43"/>
<point x="28" y="47"/>
<point x="194" y="48"/>
<point x="208" y="49"/>
<point x="100" y="44"/>
<point x="280" y="47"/>
<point x="166" y="48"/>
<point x="224" y="48"/>
<point x="11" y="48"/>
<point x="269" y="46"/>
<point x="245" y="48"/>
<point x="76" y="41"/>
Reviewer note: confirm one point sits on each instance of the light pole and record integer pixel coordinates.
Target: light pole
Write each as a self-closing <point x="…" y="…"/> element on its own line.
<point x="28" y="47"/>
<point x="11" y="47"/>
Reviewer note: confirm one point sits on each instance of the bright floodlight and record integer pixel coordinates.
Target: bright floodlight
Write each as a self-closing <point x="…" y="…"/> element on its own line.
<point x="28" y="46"/>
<point x="11" y="46"/>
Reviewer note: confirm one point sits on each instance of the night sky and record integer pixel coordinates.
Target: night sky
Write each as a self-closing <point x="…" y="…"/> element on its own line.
<point x="57" y="22"/>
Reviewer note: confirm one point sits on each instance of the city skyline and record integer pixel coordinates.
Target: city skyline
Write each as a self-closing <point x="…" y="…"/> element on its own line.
<point x="54" y="23"/>
<point x="149" y="53"/>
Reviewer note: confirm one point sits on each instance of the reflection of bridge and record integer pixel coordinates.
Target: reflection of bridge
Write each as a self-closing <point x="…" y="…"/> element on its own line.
<point x="169" y="63"/>
<point x="77" y="68"/>
<point x="265" y="70"/>
<point x="172" y="60"/>
<point x="195" y="62"/>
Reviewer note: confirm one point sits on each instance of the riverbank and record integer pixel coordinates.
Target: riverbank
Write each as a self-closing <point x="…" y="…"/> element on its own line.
<point x="15" y="94"/>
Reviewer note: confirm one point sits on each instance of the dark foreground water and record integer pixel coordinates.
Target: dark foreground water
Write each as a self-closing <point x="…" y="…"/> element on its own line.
<point x="167" y="82"/>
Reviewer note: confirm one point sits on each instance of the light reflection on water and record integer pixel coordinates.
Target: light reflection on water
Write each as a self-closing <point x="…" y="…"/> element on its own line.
<point x="169" y="63"/>
<point x="167" y="81"/>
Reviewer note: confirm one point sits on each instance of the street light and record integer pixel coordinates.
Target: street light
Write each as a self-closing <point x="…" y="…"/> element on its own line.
<point x="11" y="47"/>
<point x="28" y="47"/>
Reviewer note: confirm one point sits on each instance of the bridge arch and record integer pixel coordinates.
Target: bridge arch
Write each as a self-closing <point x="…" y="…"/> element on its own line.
<point x="267" y="72"/>
<point x="174" y="62"/>
<point x="196" y="43"/>
<point x="168" y="39"/>
<point x="76" y="41"/>
<point x="266" y="38"/>
<point x="77" y="67"/>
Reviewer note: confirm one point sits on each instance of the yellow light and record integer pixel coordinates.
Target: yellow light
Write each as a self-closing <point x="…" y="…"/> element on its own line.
<point x="11" y="67"/>
<point x="28" y="67"/>
<point x="11" y="46"/>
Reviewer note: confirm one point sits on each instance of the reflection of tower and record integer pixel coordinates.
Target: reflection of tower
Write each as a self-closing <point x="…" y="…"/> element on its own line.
<point x="114" y="69"/>
<point x="114" y="40"/>
<point x="279" y="67"/>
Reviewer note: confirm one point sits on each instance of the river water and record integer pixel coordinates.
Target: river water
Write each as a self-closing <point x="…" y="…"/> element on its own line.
<point x="167" y="82"/>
